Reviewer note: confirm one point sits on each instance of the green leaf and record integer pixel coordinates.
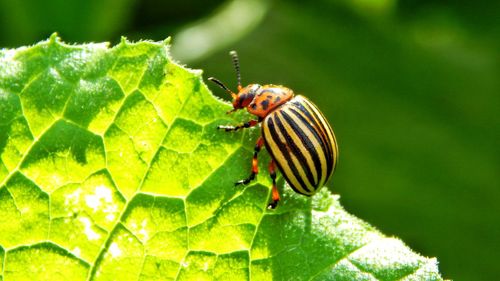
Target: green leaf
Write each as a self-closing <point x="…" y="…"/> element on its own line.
<point x="112" y="169"/>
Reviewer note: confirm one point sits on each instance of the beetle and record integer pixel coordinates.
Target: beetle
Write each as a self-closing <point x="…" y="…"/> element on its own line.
<point x="296" y="134"/>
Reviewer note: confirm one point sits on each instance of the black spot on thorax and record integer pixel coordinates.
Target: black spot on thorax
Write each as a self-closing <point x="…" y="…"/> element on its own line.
<point x="264" y="104"/>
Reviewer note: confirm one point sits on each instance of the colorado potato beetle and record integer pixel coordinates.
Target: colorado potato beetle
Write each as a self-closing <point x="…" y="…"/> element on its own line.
<point x="297" y="136"/>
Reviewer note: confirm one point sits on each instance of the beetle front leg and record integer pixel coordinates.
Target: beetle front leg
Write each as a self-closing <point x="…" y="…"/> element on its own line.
<point x="248" y="124"/>
<point x="255" y="166"/>
<point x="276" y="194"/>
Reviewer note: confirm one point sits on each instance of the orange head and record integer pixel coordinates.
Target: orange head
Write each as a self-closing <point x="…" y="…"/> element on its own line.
<point x="259" y="100"/>
<point x="246" y="94"/>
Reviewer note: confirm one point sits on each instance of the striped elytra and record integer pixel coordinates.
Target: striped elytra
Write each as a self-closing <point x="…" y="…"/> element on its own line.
<point x="302" y="143"/>
<point x="297" y="136"/>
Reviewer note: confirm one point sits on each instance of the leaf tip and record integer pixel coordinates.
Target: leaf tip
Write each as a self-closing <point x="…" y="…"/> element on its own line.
<point x="123" y="41"/>
<point x="167" y="41"/>
<point x="54" y="38"/>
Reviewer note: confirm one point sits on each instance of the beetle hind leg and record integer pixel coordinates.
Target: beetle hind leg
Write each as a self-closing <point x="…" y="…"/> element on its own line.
<point x="275" y="193"/>
<point x="255" y="167"/>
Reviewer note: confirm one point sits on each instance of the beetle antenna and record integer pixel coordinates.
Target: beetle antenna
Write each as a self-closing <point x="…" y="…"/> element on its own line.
<point x="220" y="84"/>
<point x="236" y="63"/>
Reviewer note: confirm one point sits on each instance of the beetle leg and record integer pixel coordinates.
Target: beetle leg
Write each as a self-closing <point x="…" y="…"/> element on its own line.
<point x="248" y="124"/>
<point x="276" y="194"/>
<point x="255" y="167"/>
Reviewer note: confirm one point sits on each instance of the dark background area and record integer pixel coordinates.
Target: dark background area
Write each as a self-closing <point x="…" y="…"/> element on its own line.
<point x="412" y="89"/>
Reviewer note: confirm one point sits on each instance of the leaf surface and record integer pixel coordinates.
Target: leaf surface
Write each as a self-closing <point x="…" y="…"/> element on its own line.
<point x="112" y="169"/>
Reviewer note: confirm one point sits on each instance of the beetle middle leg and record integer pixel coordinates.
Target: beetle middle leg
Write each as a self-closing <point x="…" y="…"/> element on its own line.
<point x="275" y="192"/>
<point x="248" y="124"/>
<point x="255" y="167"/>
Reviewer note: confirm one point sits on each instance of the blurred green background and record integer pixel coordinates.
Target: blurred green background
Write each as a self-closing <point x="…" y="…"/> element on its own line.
<point x="412" y="89"/>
